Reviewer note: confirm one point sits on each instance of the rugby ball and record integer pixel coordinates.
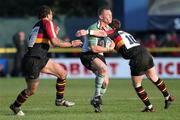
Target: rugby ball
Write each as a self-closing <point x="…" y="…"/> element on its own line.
<point x="105" y="42"/>
<point x="108" y="41"/>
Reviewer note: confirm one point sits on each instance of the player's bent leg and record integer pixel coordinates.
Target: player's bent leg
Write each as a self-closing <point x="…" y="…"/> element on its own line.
<point x="55" y="69"/>
<point x="152" y="75"/>
<point x="60" y="87"/>
<point x="32" y="86"/>
<point x="101" y="68"/>
<point x="96" y="101"/>
<point x="105" y="84"/>
<point x="103" y="88"/>
<point x="140" y="91"/>
<point x="58" y="71"/>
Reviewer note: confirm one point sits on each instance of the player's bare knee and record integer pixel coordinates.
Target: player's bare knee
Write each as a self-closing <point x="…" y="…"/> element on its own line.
<point x="63" y="75"/>
<point x="30" y="92"/>
<point x="154" y="78"/>
<point x="103" y="70"/>
<point x="136" y="84"/>
<point x="105" y="84"/>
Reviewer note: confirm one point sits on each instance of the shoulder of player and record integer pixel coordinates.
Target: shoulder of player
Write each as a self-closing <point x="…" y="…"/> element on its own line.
<point x="122" y="32"/>
<point x="94" y="26"/>
<point x="46" y="21"/>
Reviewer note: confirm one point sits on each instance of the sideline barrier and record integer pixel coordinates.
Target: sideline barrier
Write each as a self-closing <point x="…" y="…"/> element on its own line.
<point x="69" y="50"/>
<point x="118" y="68"/>
<point x="52" y="50"/>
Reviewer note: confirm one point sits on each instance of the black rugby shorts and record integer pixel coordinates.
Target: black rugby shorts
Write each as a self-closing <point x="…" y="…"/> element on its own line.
<point x="87" y="58"/>
<point x="32" y="66"/>
<point x="141" y="63"/>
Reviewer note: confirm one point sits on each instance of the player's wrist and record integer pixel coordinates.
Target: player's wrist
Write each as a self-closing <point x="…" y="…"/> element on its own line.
<point x="91" y="32"/>
<point x="109" y="49"/>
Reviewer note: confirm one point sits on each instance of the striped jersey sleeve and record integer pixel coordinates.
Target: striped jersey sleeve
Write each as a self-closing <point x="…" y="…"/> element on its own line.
<point x="50" y="29"/>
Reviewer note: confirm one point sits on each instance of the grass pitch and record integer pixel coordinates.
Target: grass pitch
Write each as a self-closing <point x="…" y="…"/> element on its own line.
<point x="119" y="103"/>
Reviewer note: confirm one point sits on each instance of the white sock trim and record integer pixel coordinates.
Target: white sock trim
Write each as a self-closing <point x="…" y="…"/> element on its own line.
<point x="166" y="98"/>
<point x="150" y="106"/>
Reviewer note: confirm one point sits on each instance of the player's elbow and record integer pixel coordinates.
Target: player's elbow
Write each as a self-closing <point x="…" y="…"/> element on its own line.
<point x="55" y="42"/>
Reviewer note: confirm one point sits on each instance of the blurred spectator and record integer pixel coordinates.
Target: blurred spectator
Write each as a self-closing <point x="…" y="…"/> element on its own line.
<point x="171" y="40"/>
<point x="2" y="73"/>
<point x="152" y="41"/>
<point x="175" y="38"/>
<point x="19" y="40"/>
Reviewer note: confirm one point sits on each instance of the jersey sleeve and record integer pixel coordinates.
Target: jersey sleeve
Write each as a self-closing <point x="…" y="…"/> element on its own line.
<point x="50" y="29"/>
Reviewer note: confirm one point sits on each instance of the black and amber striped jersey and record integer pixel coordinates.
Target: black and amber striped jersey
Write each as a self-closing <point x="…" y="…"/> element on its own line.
<point x="40" y="37"/>
<point x="125" y="44"/>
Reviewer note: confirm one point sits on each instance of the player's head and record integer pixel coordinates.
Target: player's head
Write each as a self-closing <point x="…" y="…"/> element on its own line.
<point x="105" y="14"/>
<point x="115" y="24"/>
<point x="45" y="12"/>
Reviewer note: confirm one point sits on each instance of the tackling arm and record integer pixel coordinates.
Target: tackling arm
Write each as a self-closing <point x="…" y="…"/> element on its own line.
<point x="56" y="42"/>
<point x="97" y="33"/>
<point x="99" y="49"/>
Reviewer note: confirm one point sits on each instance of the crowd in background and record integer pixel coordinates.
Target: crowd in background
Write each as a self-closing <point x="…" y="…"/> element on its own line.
<point x="161" y="40"/>
<point x="147" y="39"/>
<point x="82" y="8"/>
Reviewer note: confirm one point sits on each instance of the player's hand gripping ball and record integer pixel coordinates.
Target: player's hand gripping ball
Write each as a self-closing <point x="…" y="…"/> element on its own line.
<point x="105" y="42"/>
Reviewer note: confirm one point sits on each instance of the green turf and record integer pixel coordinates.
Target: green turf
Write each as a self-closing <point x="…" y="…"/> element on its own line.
<point x="119" y="103"/>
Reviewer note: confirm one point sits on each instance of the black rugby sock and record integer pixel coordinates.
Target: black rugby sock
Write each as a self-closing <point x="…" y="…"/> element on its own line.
<point x="162" y="87"/>
<point x="143" y="95"/>
<point x="22" y="97"/>
<point x="60" y="86"/>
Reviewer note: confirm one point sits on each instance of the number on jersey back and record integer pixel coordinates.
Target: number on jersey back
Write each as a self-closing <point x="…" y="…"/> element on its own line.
<point x="128" y="39"/>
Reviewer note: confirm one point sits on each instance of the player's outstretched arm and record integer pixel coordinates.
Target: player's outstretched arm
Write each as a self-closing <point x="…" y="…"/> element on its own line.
<point x="100" y="49"/>
<point x="97" y="33"/>
<point x="76" y="43"/>
<point x="56" y="42"/>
